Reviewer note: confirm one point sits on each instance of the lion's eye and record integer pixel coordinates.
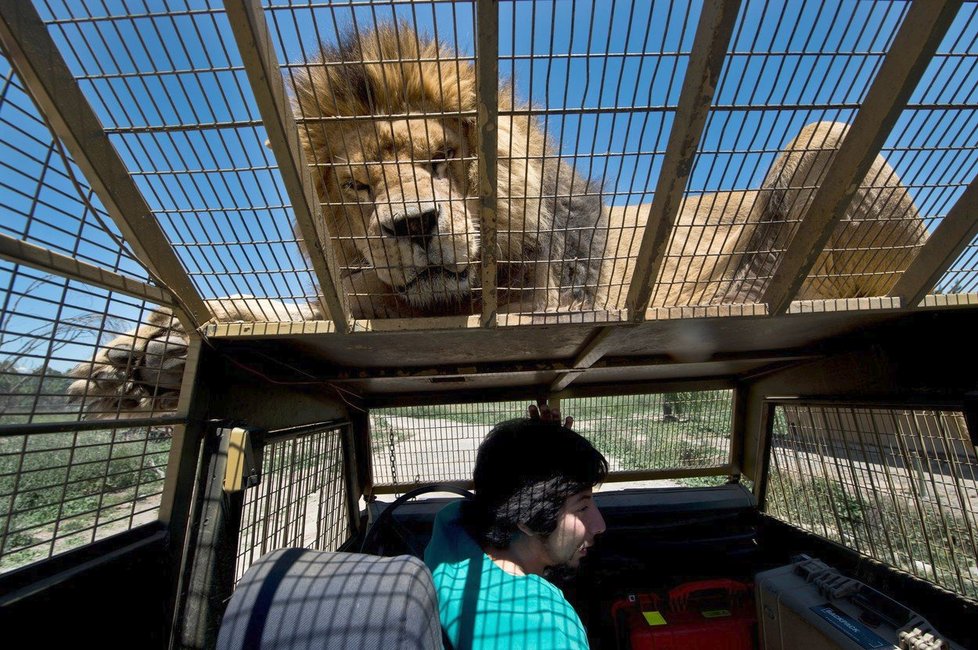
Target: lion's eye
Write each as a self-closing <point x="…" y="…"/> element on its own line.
<point x="443" y="156"/>
<point x="439" y="162"/>
<point x="355" y="186"/>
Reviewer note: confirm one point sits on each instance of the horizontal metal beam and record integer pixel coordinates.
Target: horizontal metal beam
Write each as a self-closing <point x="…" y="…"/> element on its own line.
<point x="258" y="54"/>
<point x="42" y="259"/>
<point x="915" y="43"/>
<point x="710" y="46"/>
<point x="36" y="428"/>
<point x="288" y="368"/>
<point x="956" y="231"/>
<point x="534" y="392"/>
<point x="43" y="71"/>
<point x="613" y="477"/>
<point x="665" y="474"/>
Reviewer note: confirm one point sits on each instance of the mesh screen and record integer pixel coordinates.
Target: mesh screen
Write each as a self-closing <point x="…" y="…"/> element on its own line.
<point x="898" y="485"/>
<point x="680" y="431"/>
<point x="301" y="500"/>
<point x="62" y="490"/>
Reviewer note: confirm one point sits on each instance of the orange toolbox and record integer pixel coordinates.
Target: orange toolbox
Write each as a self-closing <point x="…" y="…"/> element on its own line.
<point x="703" y="615"/>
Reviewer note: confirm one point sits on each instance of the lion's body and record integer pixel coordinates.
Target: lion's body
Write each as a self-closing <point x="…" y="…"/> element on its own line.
<point x="725" y="245"/>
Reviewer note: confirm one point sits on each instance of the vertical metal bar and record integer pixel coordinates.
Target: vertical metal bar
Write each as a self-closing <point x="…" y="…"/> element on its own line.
<point x="351" y="480"/>
<point x="710" y="45"/>
<point x="44" y="72"/>
<point x="184" y="473"/>
<point x="922" y="30"/>
<point x="763" y="459"/>
<point x="944" y="245"/>
<point x="360" y="423"/>
<point x="258" y="54"/>
<point x="738" y="430"/>
<point x="210" y="575"/>
<point x="487" y="72"/>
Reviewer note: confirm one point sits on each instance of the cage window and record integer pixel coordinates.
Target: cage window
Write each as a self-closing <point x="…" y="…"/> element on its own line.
<point x="897" y="485"/>
<point x="688" y="432"/>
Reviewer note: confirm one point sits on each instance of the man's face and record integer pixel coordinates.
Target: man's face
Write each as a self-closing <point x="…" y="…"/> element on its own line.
<point x="578" y="523"/>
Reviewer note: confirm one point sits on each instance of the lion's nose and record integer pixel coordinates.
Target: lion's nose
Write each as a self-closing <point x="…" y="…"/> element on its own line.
<point x="419" y="226"/>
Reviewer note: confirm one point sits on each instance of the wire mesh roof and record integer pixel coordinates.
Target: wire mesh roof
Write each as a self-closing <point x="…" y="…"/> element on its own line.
<point x="604" y="82"/>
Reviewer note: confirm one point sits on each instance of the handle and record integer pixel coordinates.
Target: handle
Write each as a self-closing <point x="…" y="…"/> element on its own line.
<point x="679" y="596"/>
<point x="637" y="603"/>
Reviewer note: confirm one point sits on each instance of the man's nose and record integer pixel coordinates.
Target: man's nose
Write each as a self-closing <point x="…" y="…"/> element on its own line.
<point x="597" y="525"/>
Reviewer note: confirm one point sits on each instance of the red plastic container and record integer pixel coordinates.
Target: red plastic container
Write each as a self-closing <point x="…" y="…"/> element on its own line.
<point x="705" y="615"/>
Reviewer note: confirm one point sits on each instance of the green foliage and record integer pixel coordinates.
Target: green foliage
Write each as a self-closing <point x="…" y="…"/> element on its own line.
<point x="910" y="532"/>
<point x="64" y="481"/>
<point x="667" y="431"/>
<point x="480" y="414"/>
<point x="23" y="393"/>
<point x="381" y="430"/>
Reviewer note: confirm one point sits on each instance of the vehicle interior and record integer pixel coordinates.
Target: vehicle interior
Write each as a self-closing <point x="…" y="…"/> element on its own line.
<point x="736" y="241"/>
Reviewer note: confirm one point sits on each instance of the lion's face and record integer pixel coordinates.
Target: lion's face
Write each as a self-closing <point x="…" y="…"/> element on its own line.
<point x="397" y="196"/>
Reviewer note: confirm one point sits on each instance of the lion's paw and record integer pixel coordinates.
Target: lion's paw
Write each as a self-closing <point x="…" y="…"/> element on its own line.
<point x="134" y="374"/>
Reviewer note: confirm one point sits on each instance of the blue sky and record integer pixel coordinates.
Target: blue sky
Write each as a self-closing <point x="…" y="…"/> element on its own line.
<point x="216" y="189"/>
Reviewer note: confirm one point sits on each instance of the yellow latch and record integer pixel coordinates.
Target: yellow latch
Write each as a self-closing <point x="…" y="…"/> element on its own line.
<point x="241" y="471"/>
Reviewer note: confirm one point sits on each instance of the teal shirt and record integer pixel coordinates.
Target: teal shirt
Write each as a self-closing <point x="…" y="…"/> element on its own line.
<point x="482" y="607"/>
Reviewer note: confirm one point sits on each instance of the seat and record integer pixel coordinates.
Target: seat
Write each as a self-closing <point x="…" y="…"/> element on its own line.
<point x="293" y="599"/>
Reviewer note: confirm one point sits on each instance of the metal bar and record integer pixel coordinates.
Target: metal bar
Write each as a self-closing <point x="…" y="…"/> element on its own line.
<point x="487" y="71"/>
<point x="738" y="430"/>
<point x="258" y="54"/>
<point x="596" y="346"/>
<point x="524" y="393"/>
<point x="917" y="404"/>
<point x="945" y="244"/>
<point x="762" y="454"/>
<point x="922" y="30"/>
<point x="400" y="488"/>
<point x="350" y="479"/>
<point x="209" y="573"/>
<point x="613" y="477"/>
<point x="44" y="72"/>
<point x="710" y="45"/>
<point x="8" y="430"/>
<point x="393" y="115"/>
<point x="22" y="252"/>
<point x="657" y="474"/>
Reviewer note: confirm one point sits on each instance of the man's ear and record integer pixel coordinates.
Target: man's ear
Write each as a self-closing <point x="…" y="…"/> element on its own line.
<point x="526" y="530"/>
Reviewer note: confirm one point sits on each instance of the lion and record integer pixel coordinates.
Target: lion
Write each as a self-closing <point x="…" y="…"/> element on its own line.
<point x="400" y="191"/>
<point x="388" y="126"/>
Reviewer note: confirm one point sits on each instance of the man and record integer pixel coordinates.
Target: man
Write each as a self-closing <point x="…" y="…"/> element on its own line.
<point x="533" y="512"/>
